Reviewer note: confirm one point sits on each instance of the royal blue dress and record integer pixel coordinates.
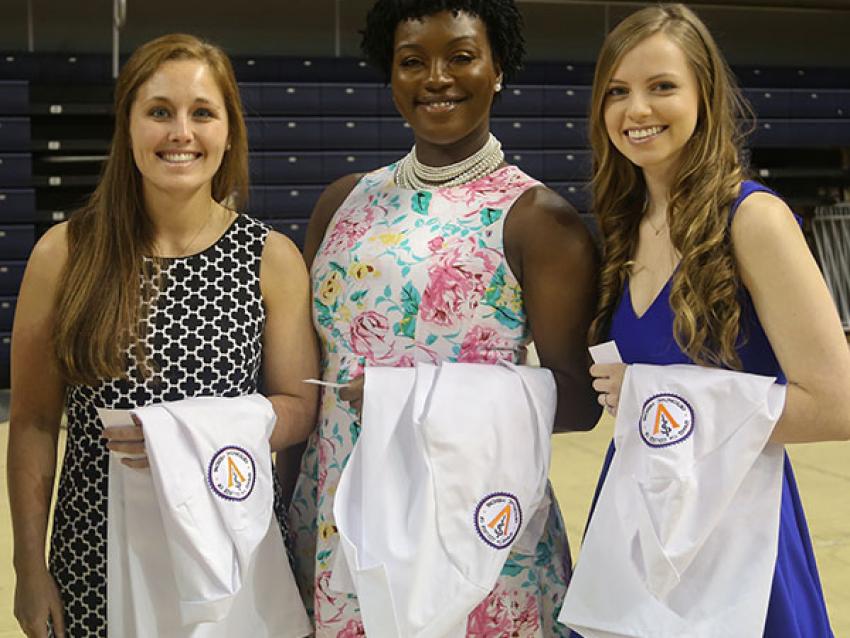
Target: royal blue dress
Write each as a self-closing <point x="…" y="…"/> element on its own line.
<point x="796" y="608"/>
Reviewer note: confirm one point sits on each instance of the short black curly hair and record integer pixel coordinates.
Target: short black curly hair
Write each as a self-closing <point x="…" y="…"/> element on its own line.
<point x="501" y="17"/>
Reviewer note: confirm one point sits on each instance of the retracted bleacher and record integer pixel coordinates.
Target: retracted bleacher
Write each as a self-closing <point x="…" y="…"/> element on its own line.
<point x="17" y="205"/>
<point x="311" y="121"/>
<point x="831" y="230"/>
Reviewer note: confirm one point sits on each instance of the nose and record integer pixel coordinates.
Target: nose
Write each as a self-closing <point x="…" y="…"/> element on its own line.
<point x="638" y="107"/>
<point x="438" y="76"/>
<point x="181" y="129"/>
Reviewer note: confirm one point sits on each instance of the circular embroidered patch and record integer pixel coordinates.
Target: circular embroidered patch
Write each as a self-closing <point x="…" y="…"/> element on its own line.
<point x="666" y="419"/>
<point x="232" y="473"/>
<point x="498" y="517"/>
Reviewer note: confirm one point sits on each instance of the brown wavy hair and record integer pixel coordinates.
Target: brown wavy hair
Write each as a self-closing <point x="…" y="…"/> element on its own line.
<point x="107" y="286"/>
<point x="705" y="287"/>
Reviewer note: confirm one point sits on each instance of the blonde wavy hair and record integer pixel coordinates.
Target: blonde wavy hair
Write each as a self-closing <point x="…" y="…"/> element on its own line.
<point x="705" y="287"/>
<point x="107" y="287"/>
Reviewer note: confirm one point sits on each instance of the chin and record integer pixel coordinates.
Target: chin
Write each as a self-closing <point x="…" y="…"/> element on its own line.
<point x="180" y="187"/>
<point x="441" y="136"/>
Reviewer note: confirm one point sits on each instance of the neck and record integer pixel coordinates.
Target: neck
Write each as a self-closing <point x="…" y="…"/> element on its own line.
<point x="443" y="155"/>
<point x="179" y="220"/>
<point x="658" y="197"/>
<point x="171" y="213"/>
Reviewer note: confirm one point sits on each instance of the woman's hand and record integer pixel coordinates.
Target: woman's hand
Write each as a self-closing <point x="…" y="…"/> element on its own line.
<point x="128" y="439"/>
<point x="353" y="394"/>
<point x="607" y="381"/>
<point x="37" y="603"/>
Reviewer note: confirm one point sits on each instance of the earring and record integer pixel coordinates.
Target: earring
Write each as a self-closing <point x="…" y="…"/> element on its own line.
<point x="498" y="87"/>
<point x="227" y="148"/>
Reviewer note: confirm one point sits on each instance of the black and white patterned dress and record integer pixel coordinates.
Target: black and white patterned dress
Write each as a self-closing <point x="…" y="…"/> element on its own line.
<point x="205" y="339"/>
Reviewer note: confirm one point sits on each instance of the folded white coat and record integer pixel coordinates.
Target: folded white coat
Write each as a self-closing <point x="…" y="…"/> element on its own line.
<point x="683" y="539"/>
<point x="194" y="548"/>
<point x="449" y="473"/>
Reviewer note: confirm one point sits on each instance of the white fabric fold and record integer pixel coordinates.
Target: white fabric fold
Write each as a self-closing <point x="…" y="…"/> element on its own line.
<point x="684" y="536"/>
<point x="194" y="548"/>
<point x="448" y="475"/>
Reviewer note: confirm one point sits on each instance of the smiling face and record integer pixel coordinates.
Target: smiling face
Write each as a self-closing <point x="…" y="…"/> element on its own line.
<point x="179" y="128"/>
<point x="443" y="83"/>
<point x="652" y="103"/>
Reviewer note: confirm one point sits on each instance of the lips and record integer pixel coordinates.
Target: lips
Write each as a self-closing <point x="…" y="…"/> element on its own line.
<point x="178" y="157"/>
<point x="644" y="133"/>
<point x="441" y="104"/>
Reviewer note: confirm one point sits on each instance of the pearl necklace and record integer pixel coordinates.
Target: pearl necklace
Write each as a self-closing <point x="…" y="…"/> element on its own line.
<point x="413" y="174"/>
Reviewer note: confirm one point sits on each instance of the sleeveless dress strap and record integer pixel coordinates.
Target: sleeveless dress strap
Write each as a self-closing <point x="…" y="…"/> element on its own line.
<point x="748" y="187"/>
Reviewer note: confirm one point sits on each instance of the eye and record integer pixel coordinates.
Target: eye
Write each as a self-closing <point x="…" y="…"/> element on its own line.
<point x="158" y="113"/>
<point x="410" y="62"/>
<point x="203" y="113"/>
<point x="462" y="58"/>
<point x="616" y="91"/>
<point x="664" y="85"/>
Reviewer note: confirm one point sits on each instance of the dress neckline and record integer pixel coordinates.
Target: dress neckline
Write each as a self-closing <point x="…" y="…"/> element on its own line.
<point x="652" y="303"/>
<point x="747" y="188"/>
<point x="235" y="222"/>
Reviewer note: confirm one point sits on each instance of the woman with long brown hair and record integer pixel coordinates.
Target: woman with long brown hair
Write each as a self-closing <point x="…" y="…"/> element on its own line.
<point x="156" y="290"/>
<point x="703" y="266"/>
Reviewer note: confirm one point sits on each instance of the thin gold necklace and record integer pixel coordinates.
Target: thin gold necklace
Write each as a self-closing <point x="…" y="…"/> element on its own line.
<point x="185" y="249"/>
<point x="658" y="230"/>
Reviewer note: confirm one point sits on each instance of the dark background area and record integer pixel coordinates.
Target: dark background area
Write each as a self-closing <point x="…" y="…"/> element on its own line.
<point x="803" y="32"/>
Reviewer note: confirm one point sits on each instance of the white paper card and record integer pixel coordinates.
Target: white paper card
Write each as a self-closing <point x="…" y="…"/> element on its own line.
<point x="329" y="384"/>
<point x="113" y="418"/>
<point x="605" y="353"/>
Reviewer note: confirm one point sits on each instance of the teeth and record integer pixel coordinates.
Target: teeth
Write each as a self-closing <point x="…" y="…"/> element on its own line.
<point x="442" y="105"/>
<point x="178" y="157"/>
<point x="639" y="134"/>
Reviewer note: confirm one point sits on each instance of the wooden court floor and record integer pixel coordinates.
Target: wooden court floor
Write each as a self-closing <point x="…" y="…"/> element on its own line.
<point x="823" y="475"/>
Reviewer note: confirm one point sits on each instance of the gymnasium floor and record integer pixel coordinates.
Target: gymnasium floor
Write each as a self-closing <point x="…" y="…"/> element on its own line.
<point x="823" y="474"/>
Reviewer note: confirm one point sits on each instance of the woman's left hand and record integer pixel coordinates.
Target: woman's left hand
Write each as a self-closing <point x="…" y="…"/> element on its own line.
<point x="353" y="394"/>
<point x="607" y="381"/>
<point x="128" y="439"/>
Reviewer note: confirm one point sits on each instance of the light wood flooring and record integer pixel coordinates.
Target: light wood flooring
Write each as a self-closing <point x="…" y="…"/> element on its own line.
<point x="823" y="475"/>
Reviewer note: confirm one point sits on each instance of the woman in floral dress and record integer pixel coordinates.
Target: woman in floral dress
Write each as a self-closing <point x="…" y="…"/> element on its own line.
<point x="465" y="269"/>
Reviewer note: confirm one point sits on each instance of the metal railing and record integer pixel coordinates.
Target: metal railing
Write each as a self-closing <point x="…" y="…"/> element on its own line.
<point x="30" y="28"/>
<point x="831" y="228"/>
<point x="119" y="17"/>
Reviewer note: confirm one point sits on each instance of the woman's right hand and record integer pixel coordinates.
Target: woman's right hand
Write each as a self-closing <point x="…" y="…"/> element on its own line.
<point x="608" y="381"/>
<point x="128" y="439"/>
<point x="37" y="603"/>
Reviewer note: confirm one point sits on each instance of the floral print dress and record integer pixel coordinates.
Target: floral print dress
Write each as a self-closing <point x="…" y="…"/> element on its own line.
<point x="405" y="276"/>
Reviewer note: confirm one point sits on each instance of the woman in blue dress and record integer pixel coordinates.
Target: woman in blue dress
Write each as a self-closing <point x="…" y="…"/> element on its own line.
<point x="703" y="266"/>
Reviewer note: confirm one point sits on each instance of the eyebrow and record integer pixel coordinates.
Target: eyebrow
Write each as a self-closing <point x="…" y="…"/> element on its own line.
<point x="657" y="76"/>
<point x="162" y="98"/>
<point x="451" y="42"/>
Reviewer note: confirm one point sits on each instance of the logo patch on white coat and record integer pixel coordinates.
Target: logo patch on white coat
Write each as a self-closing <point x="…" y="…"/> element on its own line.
<point x="498" y="518"/>
<point x="666" y="419"/>
<point x="232" y="473"/>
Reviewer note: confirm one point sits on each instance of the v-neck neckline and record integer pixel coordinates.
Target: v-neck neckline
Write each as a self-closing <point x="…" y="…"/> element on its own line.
<point x="655" y="299"/>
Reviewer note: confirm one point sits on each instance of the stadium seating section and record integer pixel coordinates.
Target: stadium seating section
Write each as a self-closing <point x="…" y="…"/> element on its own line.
<point x="313" y="120"/>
